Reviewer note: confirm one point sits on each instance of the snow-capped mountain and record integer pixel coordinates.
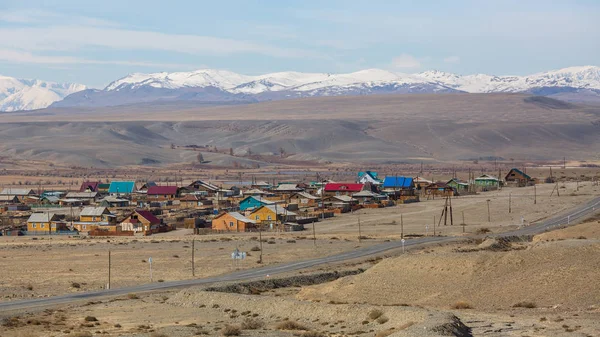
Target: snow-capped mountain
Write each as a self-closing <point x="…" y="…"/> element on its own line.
<point x="215" y="86"/>
<point x="17" y="94"/>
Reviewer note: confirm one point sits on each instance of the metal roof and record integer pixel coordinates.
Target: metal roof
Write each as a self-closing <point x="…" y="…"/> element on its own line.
<point x="397" y="182"/>
<point x="288" y="187"/>
<point x="350" y="187"/>
<point x="92" y="211"/>
<point x="41" y="217"/>
<point x="162" y="190"/>
<point x="278" y="210"/>
<point x="121" y="187"/>
<point x="16" y="191"/>
<point x="79" y="195"/>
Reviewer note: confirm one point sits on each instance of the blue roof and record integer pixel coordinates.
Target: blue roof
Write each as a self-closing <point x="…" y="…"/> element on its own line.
<point x="373" y="174"/>
<point x="121" y="187"/>
<point x="398" y="182"/>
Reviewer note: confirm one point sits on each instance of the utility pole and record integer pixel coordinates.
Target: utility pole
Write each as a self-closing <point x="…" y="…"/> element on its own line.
<point x="509" y="203"/>
<point x="260" y="258"/>
<point x="564" y="163"/>
<point x="434" y="225"/>
<point x="488" y="208"/>
<point x="359" y="233"/>
<point x="401" y="227"/>
<point x="534" y="194"/>
<point x="314" y="234"/>
<point x="193" y="252"/>
<point x="109" y="265"/>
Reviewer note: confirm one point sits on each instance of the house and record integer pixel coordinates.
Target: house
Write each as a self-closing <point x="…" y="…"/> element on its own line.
<point x="202" y="186"/>
<point x="287" y="188"/>
<point x="103" y="188"/>
<point x="458" y="185"/>
<point x="110" y="201"/>
<point x="261" y="185"/>
<point x="146" y="186"/>
<point x="140" y="221"/>
<point x="369" y="197"/>
<point x="487" y="182"/>
<point x="257" y="192"/>
<point x="20" y="193"/>
<point x="118" y="188"/>
<point x="398" y="183"/>
<point x="96" y="218"/>
<point x="9" y="199"/>
<point x="193" y="201"/>
<point x="252" y="202"/>
<point x="518" y="178"/>
<point x="163" y="193"/>
<point x="439" y="189"/>
<point x="86" y="197"/>
<point x="369" y="177"/>
<point x="232" y="222"/>
<point x="421" y="183"/>
<point x="268" y="214"/>
<point x="304" y="199"/>
<point x="342" y="188"/>
<point x="89" y="186"/>
<point x="72" y="202"/>
<point x="49" y="200"/>
<point x="42" y="223"/>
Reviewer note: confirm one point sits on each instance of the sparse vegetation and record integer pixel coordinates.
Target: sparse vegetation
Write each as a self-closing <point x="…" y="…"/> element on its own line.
<point x="132" y="296"/>
<point x="461" y="305"/>
<point x="75" y="285"/>
<point x="255" y="249"/>
<point x="313" y="333"/>
<point x="90" y="319"/>
<point x="525" y="304"/>
<point x="231" y="330"/>
<point x="252" y="324"/>
<point x="375" y="314"/>
<point x="482" y="230"/>
<point x="385" y="333"/>
<point x="382" y="320"/>
<point x="290" y="325"/>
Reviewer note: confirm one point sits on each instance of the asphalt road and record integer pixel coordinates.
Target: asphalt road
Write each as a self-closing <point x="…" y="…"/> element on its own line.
<point x="554" y="222"/>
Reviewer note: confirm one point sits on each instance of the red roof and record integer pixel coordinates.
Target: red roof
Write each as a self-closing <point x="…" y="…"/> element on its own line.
<point x="162" y="190"/>
<point x="91" y="185"/>
<point x="148" y="216"/>
<point x="350" y="187"/>
<point x="189" y="197"/>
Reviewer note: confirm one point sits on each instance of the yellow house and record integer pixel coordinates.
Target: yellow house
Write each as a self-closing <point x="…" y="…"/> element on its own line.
<point x="268" y="214"/>
<point x="93" y="218"/>
<point x="41" y="223"/>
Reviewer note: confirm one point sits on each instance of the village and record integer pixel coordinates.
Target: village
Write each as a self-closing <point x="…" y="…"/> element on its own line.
<point x="127" y="208"/>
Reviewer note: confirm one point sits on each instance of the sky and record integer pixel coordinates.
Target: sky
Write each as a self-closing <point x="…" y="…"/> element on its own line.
<point x="96" y="42"/>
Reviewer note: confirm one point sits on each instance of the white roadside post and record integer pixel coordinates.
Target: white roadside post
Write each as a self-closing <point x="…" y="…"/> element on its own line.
<point x="402" y="245"/>
<point x="426" y="230"/>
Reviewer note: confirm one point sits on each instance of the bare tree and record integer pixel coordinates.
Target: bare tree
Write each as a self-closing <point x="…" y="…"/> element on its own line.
<point x="231" y="151"/>
<point x="172" y="146"/>
<point x="281" y="152"/>
<point x="200" y="158"/>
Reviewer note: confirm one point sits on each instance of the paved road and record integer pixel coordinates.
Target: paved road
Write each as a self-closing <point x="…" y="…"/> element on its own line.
<point x="571" y="216"/>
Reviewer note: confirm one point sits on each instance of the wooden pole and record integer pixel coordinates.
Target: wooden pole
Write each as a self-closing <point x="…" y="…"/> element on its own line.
<point x="534" y="194"/>
<point x="434" y="225"/>
<point x="359" y="233"/>
<point x="314" y="234"/>
<point x="401" y="227"/>
<point x="193" y="253"/>
<point x="451" y="216"/>
<point x="509" y="203"/>
<point x="488" y="208"/>
<point x="109" y="265"/>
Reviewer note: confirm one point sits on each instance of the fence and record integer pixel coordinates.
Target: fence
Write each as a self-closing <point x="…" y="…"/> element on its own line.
<point x="50" y="233"/>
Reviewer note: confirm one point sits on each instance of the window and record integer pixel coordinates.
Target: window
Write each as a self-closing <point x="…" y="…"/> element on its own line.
<point x="84" y="226"/>
<point x="41" y="225"/>
<point x="230" y="223"/>
<point x="32" y="225"/>
<point x="269" y="217"/>
<point x="257" y="217"/>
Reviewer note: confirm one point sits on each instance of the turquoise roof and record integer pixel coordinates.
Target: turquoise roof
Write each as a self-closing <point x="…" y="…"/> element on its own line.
<point x="124" y="187"/>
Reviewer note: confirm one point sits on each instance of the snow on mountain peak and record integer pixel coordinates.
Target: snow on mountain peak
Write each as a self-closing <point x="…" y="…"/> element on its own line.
<point x="18" y="94"/>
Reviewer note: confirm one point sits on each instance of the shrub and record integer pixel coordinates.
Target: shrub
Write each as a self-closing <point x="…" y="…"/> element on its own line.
<point x="313" y="334"/>
<point x="290" y="325"/>
<point x="82" y="334"/>
<point x="460" y="305"/>
<point x="375" y="314"/>
<point x="255" y="249"/>
<point x="291" y="241"/>
<point x="252" y="324"/>
<point x="75" y="285"/>
<point x="231" y="330"/>
<point x="158" y="334"/>
<point x="271" y="242"/>
<point x="525" y="304"/>
<point x="482" y="230"/>
<point x="90" y="319"/>
<point x="132" y="296"/>
<point x="382" y="320"/>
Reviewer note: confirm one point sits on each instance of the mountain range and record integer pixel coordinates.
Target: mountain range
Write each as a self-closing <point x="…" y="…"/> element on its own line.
<point x="218" y="87"/>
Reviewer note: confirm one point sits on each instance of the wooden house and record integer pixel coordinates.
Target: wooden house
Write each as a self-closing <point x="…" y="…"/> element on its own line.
<point x="140" y="221"/>
<point x="163" y="193"/>
<point x="20" y="193"/>
<point x="252" y="202"/>
<point x="369" y="177"/>
<point x="516" y="177"/>
<point x="421" y="183"/>
<point x="43" y="223"/>
<point x="121" y="188"/>
<point x="369" y="197"/>
<point x="103" y="188"/>
<point x="458" y="185"/>
<point x="192" y="201"/>
<point x="232" y="222"/>
<point x="486" y="182"/>
<point x="304" y="199"/>
<point x="205" y="188"/>
<point x="439" y="189"/>
<point x="87" y="198"/>
<point x="268" y="214"/>
<point x="96" y="218"/>
<point x="112" y="201"/>
<point x="287" y="188"/>
<point x="89" y="186"/>
<point x="9" y="199"/>
<point x="332" y="189"/>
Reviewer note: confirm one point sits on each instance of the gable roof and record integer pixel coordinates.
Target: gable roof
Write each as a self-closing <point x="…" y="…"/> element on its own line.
<point x="519" y="172"/>
<point x="305" y="195"/>
<point x="350" y="187"/>
<point x="419" y="180"/>
<point x="93" y="211"/>
<point x="278" y="210"/>
<point x="457" y="181"/>
<point x="162" y="190"/>
<point x="16" y="191"/>
<point x="79" y="195"/>
<point x="121" y="187"/>
<point x="236" y="216"/>
<point x="189" y="197"/>
<point x="343" y="198"/>
<point x="41" y="217"/>
<point x="8" y="197"/>
<point x="373" y="174"/>
<point x="51" y="198"/>
<point x="288" y="187"/>
<point x="205" y="185"/>
<point x="259" y="199"/>
<point x="148" y="216"/>
<point x="91" y="185"/>
<point x="366" y="193"/>
<point x="486" y="177"/>
<point x="397" y="182"/>
<point x="255" y="191"/>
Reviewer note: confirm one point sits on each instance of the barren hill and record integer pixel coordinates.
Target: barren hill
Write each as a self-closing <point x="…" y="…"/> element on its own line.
<point x="387" y="128"/>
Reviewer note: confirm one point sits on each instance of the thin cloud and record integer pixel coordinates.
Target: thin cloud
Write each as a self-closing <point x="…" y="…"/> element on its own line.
<point x="406" y="61"/>
<point x="452" y="59"/>
<point x="36" y="16"/>
<point x="20" y="57"/>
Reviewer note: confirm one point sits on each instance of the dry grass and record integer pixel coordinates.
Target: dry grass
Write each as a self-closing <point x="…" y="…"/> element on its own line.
<point x="375" y="314"/>
<point x="525" y="304"/>
<point x="132" y="296"/>
<point x="461" y="305"/>
<point x="290" y="325"/>
<point x="252" y="324"/>
<point x="231" y="330"/>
